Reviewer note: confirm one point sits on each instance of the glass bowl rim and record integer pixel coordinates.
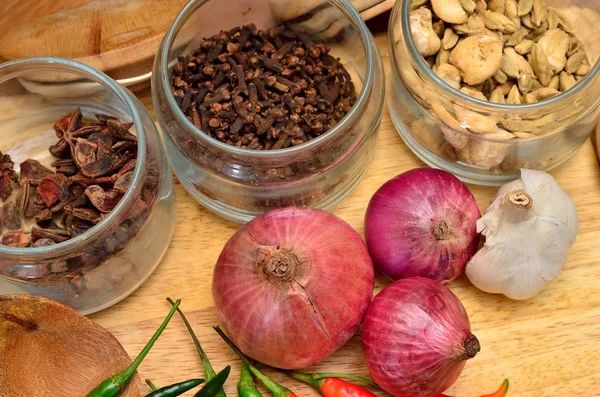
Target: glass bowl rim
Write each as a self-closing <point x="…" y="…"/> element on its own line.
<point x="10" y="70"/>
<point x="355" y="112"/>
<point x="403" y="8"/>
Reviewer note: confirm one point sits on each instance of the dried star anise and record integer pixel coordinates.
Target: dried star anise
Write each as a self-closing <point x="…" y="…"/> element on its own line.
<point x="93" y="170"/>
<point x="7" y="176"/>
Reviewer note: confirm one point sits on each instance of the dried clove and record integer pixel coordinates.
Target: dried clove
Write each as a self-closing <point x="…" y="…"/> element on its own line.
<point x="242" y="91"/>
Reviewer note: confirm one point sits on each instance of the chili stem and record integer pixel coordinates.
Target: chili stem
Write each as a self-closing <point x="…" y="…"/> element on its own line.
<point x="129" y="371"/>
<point x="149" y="383"/>
<point x="112" y="386"/>
<point x="275" y="388"/>
<point x="209" y="372"/>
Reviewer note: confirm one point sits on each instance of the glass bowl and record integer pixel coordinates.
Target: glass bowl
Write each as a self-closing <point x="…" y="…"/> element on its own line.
<point x="239" y="183"/>
<point x="108" y="262"/>
<point x="467" y="136"/>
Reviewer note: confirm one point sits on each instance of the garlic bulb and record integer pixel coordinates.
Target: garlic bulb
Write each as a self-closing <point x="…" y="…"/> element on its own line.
<point x="529" y="229"/>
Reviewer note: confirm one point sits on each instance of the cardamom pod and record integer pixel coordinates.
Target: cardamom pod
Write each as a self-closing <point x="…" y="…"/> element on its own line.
<point x="514" y="96"/>
<point x="536" y="85"/>
<point x="525" y="83"/>
<point x="468" y="5"/>
<point x="446" y="117"/>
<point x="540" y="64"/>
<point x="524" y="47"/>
<point x="430" y="61"/>
<point x="525" y="7"/>
<point x="554" y="82"/>
<point x="552" y="19"/>
<point x="475" y="122"/>
<point x="450" y="75"/>
<point x="505" y="88"/>
<point x="462" y="29"/>
<point x="509" y="67"/>
<point x="544" y="93"/>
<point x="497" y="97"/>
<point x="512" y="12"/>
<point x="555" y="44"/>
<point x="583" y="70"/>
<point x="574" y="46"/>
<point x="574" y="62"/>
<point x="450" y="39"/>
<point x="517" y="37"/>
<point x="497" y="6"/>
<point x="488" y="86"/>
<point x="500" y="77"/>
<point x="538" y="31"/>
<point x="473" y="92"/>
<point x="526" y="21"/>
<point x="524" y="66"/>
<point x="442" y="57"/>
<point x="567" y="81"/>
<point x="496" y="21"/>
<point x="523" y="135"/>
<point x="563" y="21"/>
<point x="438" y="28"/>
<point x="539" y="12"/>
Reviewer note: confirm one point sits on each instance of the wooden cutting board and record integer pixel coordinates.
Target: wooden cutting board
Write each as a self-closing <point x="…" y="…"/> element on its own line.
<point x="118" y="37"/>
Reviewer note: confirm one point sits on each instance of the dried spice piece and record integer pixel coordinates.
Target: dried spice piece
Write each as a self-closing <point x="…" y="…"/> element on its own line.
<point x="15" y="239"/>
<point x="32" y="171"/>
<point x="67" y="202"/>
<point x="7" y="176"/>
<point x="516" y="28"/>
<point x="11" y="218"/>
<point x="104" y="201"/>
<point x="261" y="89"/>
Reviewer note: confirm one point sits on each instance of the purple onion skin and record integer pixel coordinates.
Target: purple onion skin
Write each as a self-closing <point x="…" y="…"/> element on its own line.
<point x="422" y="223"/>
<point x="292" y="286"/>
<point x="416" y="337"/>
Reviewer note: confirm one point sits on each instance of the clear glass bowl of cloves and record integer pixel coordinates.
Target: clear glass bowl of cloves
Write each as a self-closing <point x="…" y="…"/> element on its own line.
<point x="273" y="103"/>
<point x="86" y="195"/>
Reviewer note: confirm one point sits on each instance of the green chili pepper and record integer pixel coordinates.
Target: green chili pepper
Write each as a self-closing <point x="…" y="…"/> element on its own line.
<point x="209" y="372"/>
<point x="213" y="386"/>
<point x="246" y="386"/>
<point x="176" y="389"/>
<point x="275" y="388"/>
<point x="115" y="384"/>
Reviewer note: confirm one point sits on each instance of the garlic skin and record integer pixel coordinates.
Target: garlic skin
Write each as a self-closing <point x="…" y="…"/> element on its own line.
<point x="529" y="229"/>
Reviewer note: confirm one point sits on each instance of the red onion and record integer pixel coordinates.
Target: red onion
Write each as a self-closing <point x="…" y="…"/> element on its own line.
<point x="292" y="286"/>
<point x="416" y="338"/>
<point x="422" y="223"/>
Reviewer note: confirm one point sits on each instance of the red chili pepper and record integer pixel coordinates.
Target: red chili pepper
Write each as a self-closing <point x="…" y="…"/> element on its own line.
<point x="332" y="386"/>
<point x="501" y="392"/>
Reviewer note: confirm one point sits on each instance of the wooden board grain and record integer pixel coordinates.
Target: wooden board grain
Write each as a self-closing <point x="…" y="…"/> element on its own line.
<point x="548" y="346"/>
<point x="106" y="34"/>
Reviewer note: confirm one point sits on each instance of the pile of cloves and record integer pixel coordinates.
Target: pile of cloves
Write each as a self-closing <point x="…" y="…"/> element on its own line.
<point x="94" y="168"/>
<point x="262" y="89"/>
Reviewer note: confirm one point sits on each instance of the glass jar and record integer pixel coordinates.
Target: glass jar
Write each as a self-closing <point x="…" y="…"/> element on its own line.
<point x="474" y="139"/>
<point x="108" y="262"/>
<point x="239" y="183"/>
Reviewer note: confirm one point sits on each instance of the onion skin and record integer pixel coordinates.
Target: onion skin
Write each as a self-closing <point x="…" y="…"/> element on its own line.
<point x="422" y="223"/>
<point x="416" y="337"/>
<point x="292" y="286"/>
